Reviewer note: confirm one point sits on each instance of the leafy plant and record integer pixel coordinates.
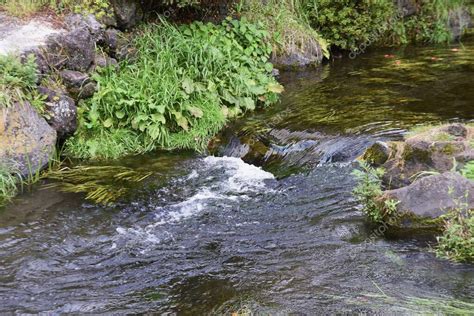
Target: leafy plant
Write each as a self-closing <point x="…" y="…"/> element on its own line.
<point x="346" y="23"/>
<point x="289" y="23"/>
<point x="457" y="241"/>
<point x="468" y="170"/>
<point x="369" y="190"/>
<point x="186" y="82"/>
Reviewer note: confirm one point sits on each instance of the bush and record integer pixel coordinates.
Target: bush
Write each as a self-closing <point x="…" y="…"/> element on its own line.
<point x="186" y="82"/>
<point x="347" y="23"/>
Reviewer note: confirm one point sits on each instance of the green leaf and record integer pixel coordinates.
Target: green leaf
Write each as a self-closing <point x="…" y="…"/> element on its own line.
<point x="248" y="103"/>
<point x="188" y="85"/>
<point x="196" y="112"/>
<point x="108" y="123"/>
<point x="120" y="114"/>
<point x="275" y="88"/>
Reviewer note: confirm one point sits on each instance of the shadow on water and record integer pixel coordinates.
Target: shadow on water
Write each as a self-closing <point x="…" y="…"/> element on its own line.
<point x="218" y="235"/>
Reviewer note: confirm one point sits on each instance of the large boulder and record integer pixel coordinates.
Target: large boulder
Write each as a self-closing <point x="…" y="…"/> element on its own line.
<point x="459" y="21"/>
<point x="27" y="141"/>
<point x="127" y="12"/>
<point x="61" y="111"/>
<point x="407" y="7"/>
<point x="89" y="22"/>
<point x="422" y="203"/>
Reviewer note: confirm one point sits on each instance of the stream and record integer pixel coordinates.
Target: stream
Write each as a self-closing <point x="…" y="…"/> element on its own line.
<point x="267" y="223"/>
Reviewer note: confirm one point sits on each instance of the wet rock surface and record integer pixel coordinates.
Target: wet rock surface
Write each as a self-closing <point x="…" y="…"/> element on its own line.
<point x="27" y="141"/>
<point x="127" y="12"/>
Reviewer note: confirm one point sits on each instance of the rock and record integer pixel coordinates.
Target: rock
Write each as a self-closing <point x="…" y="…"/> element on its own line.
<point x="377" y="154"/>
<point x="437" y="149"/>
<point x="459" y="21"/>
<point x="431" y="197"/>
<point x="103" y="61"/>
<point x="28" y="141"/>
<point x="89" y="22"/>
<point x="78" y="84"/>
<point x="116" y="44"/>
<point x="309" y="54"/>
<point x="407" y="7"/>
<point x="61" y="111"/>
<point x="74" y="50"/>
<point x="127" y="12"/>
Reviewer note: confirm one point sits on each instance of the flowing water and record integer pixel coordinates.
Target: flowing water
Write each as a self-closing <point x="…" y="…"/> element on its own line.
<point x="267" y="225"/>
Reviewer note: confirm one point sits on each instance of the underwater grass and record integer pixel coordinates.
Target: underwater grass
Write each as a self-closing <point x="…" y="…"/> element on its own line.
<point x="101" y="184"/>
<point x="183" y="86"/>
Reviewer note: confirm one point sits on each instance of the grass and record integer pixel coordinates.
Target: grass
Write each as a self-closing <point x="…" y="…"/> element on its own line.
<point x="25" y="8"/>
<point x="288" y="21"/>
<point x="185" y="84"/>
<point x="457" y="241"/>
<point x="8" y="185"/>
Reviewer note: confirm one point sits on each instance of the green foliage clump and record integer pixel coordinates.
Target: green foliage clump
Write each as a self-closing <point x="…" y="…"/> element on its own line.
<point x="368" y="192"/>
<point x="18" y="82"/>
<point x="429" y="25"/>
<point x="468" y="170"/>
<point x="8" y="185"/>
<point x="289" y="24"/>
<point x="346" y="23"/>
<point x="184" y="84"/>
<point x="457" y="241"/>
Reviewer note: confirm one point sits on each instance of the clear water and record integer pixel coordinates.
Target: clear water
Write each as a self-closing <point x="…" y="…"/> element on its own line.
<point x="217" y="234"/>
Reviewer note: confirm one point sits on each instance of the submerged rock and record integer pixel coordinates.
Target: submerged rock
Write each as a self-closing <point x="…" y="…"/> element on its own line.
<point x="422" y="203"/>
<point x="27" y="141"/>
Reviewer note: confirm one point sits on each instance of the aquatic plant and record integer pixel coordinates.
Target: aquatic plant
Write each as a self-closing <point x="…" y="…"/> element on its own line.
<point x="183" y="86"/>
<point x="369" y="191"/>
<point x="102" y="184"/>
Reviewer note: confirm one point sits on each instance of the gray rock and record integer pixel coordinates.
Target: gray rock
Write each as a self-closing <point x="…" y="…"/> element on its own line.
<point x="78" y="84"/>
<point x="80" y="21"/>
<point x="407" y="7"/>
<point x="27" y="141"/>
<point x="117" y="45"/>
<point x="459" y="21"/>
<point x="74" y="50"/>
<point x="103" y="61"/>
<point x="433" y="196"/>
<point x="127" y="12"/>
<point x="309" y="54"/>
<point x="61" y="110"/>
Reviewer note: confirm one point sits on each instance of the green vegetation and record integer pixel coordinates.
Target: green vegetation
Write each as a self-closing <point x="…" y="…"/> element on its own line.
<point x="8" y="185"/>
<point x="457" y="241"/>
<point x="288" y="22"/>
<point x="18" y="82"/>
<point x="348" y="24"/>
<point x="468" y="170"/>
<point x="186" y="82"/>
<point x="369" y="191"/>
<point x="102" y="184"/>
<point x="22" y="8"/>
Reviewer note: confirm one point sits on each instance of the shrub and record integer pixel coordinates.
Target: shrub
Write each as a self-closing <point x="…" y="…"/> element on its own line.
<point x="179" y="92"/>
<point x="347" y="23"/>
<point x="468" y="170"/>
